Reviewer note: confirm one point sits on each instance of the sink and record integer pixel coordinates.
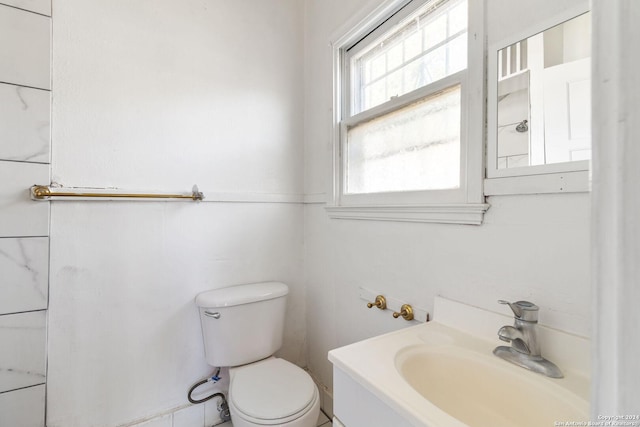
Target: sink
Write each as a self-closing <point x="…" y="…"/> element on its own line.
<point x="443" y="374"/>
<point x="484" y="391"/>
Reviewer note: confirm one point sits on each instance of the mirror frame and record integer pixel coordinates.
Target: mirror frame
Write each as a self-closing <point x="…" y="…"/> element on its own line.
<point x="550" y="178"/>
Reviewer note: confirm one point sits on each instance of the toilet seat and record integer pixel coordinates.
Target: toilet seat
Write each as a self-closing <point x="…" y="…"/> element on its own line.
<point x="271" y="392"/>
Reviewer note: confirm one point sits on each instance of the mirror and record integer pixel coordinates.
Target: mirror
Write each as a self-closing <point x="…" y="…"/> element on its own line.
<point x="544" y="97"/>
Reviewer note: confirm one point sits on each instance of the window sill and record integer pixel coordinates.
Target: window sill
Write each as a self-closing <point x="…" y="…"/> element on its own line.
<point x="471" y="214"/>
<point x="567" y="182"/>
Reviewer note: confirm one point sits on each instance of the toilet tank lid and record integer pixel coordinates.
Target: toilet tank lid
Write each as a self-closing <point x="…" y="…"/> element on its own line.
<point x="241" y="294"/>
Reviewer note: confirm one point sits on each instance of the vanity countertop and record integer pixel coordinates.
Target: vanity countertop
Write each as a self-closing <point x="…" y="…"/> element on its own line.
<point x="468" y="334"/>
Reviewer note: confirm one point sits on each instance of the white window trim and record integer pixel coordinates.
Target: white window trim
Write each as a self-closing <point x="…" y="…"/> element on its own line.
<point x="464" y="205"/>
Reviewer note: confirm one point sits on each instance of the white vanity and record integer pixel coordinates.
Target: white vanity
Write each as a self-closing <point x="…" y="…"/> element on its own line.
<point x="443" y="374"/>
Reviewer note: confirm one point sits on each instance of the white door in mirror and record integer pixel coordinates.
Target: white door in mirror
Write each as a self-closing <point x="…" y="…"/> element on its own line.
<point x="567" y="112"/>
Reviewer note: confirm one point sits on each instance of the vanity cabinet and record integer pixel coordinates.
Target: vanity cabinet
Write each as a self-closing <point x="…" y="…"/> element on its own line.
<point x="355" y="406"/>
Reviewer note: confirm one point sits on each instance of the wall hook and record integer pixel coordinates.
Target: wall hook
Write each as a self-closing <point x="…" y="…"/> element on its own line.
<point x="381" y="303"/>
<point x="406" y="311"/>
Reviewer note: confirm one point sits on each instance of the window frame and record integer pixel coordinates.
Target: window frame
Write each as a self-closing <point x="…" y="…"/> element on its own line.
<point x="463" y="205"/>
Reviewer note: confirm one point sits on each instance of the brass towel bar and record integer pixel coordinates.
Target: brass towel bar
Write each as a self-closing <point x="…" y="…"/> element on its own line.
<point x="45" y="192"/>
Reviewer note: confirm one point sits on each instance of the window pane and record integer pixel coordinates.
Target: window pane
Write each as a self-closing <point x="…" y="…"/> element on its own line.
<point x="414" y="148"/>
<point x="376" y="93"/>
<point x="458" y="62"/>
<point x="394" y="57"/>
<point x="427" y="46"/>
<point x="413" y="46"/>
<point x="434" y="65"/>
<point x="394" y="84"/>
<point x="378" y="67"/>
<point x="435" y="32"/>
<point x="458" y="19"/>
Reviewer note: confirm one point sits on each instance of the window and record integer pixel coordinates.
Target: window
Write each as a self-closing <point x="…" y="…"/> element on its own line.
<point x="428" y="45"/>
<point x="416" y="147"/>
<point x="404" y="115"/>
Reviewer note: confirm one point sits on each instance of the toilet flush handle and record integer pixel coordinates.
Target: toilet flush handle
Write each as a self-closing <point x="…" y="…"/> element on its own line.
<point x="215" y="315"/>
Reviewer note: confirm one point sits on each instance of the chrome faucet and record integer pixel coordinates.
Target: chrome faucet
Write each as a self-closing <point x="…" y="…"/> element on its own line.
<point x="523" y="336"/>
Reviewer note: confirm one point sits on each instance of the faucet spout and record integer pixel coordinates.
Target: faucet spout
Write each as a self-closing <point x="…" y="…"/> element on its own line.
<point x="509" y="333"/>
<point x="516" y="337"/>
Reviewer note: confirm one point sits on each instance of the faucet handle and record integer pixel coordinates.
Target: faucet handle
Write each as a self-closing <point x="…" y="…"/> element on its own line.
<point x="523" y="310"/>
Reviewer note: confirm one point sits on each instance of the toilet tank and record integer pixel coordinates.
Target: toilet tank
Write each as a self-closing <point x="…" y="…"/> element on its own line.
<point x="242" y="324"/>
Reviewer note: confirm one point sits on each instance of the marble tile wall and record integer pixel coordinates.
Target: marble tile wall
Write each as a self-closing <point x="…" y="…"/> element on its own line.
<point x="42" y="7"/>
<point x="19" y="215"/>
<point x="25" y="48"/>
<point x="24" y="123"/>
<point x="24" y="263"/>
<point x="22" y="353"/>
<point x="25" y="99"/>
<point x="19" y="408"/>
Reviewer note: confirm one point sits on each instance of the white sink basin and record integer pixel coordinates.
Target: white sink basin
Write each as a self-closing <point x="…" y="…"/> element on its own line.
<point x="482" y="390"/>
<point x="440" y="375"/>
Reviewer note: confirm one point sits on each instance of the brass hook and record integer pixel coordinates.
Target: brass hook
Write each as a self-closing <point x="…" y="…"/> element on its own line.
<point x="381" y="303"/>
<point x="406" y="311"/>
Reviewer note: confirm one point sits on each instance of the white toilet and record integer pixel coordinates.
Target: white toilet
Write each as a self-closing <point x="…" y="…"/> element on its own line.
<point x="242" y="328"/>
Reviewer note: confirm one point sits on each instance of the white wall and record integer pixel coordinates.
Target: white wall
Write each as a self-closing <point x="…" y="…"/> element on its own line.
<point x="159" y="95"/>
<point x="529" y="247"/>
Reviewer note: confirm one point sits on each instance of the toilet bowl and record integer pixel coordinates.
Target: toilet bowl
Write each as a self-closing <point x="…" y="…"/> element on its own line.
<point x="243" y="327"/>
<point x="272" y="392"/>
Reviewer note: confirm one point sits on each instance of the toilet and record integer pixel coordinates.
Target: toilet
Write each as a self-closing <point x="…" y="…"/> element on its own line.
<point x="242" y="327"/>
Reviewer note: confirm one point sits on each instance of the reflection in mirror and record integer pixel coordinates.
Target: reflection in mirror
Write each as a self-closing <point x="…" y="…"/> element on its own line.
<point x="544" y="97"/>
